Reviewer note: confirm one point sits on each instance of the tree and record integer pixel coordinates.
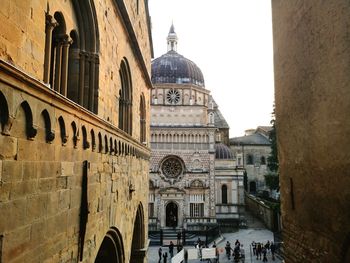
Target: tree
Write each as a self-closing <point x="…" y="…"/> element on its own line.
<point x="272" y="178"/>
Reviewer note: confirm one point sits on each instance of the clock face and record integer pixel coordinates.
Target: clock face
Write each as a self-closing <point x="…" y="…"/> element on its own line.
<point x="172" y="167"/>
<point x="173" y="96"/>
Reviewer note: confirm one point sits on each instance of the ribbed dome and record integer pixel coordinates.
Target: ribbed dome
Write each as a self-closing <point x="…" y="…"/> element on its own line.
<point x="175" y="68"/>
<point x="222" y="151"/>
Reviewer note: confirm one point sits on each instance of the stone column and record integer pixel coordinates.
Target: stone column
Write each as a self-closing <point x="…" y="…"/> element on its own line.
<point x="58" y="64"/>
<point x="66" y="42"/>
<point x="81" y="78"/>
<point x="91" y="81"/>
<point x="50" y="25"/>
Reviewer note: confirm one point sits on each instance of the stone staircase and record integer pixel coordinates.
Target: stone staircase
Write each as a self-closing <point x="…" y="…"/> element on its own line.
<point x="170" y="234"/>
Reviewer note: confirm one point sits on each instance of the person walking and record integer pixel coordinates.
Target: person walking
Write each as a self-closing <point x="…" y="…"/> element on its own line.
<point x="160" y="254"/>
<point x="273" y="250"/>
<point x="165" y="257"/>
<point x="228" y="249"/>
<point x="264" y="251"/>
<point x="171" y="249"/>
<point x="258" y="251"/>
<point x="254" y="248"/>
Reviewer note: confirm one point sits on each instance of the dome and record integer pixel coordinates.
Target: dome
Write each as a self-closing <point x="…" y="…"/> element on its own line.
<point x="222" y="151"/>
<point x="175" y="68"/>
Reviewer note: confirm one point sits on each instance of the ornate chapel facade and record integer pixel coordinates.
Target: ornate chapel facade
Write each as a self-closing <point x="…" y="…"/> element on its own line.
<point x="193" y="176"/>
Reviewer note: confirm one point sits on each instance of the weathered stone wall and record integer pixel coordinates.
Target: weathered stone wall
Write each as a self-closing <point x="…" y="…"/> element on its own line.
<point x="261" y="211"/>
<point x="312" y="65"/>
<point x="46" y="138"/>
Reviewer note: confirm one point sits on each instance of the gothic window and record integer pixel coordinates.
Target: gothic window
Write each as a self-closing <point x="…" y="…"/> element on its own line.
<point x="224" y="194"/>
<point x="263" y="160"/>
<point x="125" y="98"/>
<point x="71" y="55"/>
<point x="173" y="96"/>
<point x="142" y="119"/>
<point x="250" y="159"/>
<point x="172" y="167"/>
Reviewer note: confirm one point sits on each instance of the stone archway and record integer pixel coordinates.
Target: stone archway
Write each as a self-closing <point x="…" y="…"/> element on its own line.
<point x="171" y="215"/>
<point x="138" y="250"/>
<point x="111" y="249"/>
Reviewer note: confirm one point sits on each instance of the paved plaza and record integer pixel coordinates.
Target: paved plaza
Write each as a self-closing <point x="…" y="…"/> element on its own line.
<point x="255" y="232"/>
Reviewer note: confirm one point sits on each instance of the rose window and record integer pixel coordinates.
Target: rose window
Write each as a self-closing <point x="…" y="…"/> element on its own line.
<point x="173" y="96"/>
<point x="172" y="167"/>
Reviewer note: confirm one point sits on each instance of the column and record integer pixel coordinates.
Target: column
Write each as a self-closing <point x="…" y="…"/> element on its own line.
<point x="81" y="78"/>
<point x="58" y="64"/>
<point x="66" y="42"/>
<point x="50" y="25"/>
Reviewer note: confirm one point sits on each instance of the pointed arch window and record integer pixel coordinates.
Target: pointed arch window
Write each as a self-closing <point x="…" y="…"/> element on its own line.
<point x="142" y="119"/>
<point x="125" y="98"/>
<point x="71" y="62"/>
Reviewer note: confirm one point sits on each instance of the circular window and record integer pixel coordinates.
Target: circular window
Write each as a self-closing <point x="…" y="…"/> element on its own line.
<point x="172" y="167"/>
<point x="173" y="96"/>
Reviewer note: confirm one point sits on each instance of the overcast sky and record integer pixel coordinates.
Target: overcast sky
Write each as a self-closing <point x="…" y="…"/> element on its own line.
<point x="231" y="42"/>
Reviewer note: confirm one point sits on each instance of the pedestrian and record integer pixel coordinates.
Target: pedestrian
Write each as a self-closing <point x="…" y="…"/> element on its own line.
<point x="242" y="253"/>
<point x="165" y="257"/>
<point x="264" y="251"/>
<point x="254" y="248"/>
<point x="258" y="251"/>
<point x="237" y="243"/>
<point x="171" y="249"/>
<point x="160" y="254"/>
<point x="228" y="249"/>
<point x="273" y="250"/>
<point x="236" y="253"/>
<point x="178" y="237"/>
<point x="267" y="246"/>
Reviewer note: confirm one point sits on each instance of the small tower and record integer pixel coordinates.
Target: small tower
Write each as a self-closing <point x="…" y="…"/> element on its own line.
<point x="172" y="39"/>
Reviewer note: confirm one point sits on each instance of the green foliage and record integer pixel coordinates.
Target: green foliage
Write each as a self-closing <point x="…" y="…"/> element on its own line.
<point x="272" y="160"/>
<point x="272" y="180"/>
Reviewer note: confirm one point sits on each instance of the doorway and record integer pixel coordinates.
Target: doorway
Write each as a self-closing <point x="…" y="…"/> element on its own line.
<point x="252" y="187"/>
<point x="171" y="215"/>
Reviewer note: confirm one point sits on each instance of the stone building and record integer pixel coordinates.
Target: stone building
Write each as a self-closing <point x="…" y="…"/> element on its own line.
<point x="185" y="124"/>
<point x="312" y="65"/>
<point x="74" y="114"/>
<point x="251" y="152"/>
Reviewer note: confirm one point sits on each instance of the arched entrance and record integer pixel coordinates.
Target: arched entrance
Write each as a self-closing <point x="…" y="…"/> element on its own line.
<point x="171" y="214"/>
<point x="111" y="249"/>
<point x="138" y="251"/>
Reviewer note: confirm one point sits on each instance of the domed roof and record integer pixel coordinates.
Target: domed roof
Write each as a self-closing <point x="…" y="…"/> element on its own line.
<point x="222" y="151"/>
<point x="175" y="68"/>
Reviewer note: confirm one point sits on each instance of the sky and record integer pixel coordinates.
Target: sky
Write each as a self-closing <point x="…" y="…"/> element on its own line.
<point x="231" y="42"/>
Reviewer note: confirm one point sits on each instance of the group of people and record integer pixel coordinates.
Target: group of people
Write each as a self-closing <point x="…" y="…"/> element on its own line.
<point x="237" y="252"/>
<point x="261" y="250"/>
<point x="171" y="252"/>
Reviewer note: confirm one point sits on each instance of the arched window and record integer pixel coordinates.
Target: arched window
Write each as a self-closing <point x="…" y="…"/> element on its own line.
<point x="142" y="119"/>
<point x="71" y="60"/>
<point x="125" y="98"/>
<point x="250" y="159"/>
<point x="224" y="194"/>
<point x="263" y="160"/>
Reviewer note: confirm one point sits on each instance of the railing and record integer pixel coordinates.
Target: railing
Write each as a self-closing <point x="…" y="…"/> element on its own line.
<point x="196" y="220"/>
